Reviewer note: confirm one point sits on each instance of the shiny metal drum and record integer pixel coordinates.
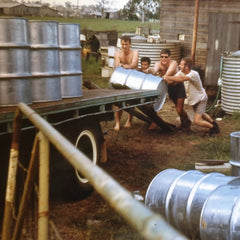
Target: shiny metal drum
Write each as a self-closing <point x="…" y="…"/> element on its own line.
<point x="220" y="218"/>
<point x="133" y="79"/>
<point x="70" y="60"/>
<point x="15" y="77"/>
<point x="180" y="195"/>
<point x="235" y="153"/>
<point x="44" y="65"/>
<point x="119" y="77"/>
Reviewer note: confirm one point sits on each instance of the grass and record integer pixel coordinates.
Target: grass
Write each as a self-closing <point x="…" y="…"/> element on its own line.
<point x="120" y="26"/>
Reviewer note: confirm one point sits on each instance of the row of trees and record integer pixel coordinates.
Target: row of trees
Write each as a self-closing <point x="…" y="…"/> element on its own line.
<point x="133" y="10"/>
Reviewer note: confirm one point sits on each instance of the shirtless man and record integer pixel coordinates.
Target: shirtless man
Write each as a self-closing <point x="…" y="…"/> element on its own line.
<point x="126" y="58"/>
<point x="176" y="91"/>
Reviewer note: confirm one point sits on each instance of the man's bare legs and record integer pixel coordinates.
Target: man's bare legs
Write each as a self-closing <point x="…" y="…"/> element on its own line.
<point x="118" y="115"/>
<point x="199" y="120"/>
<point x="129" y="121"/>
<point x="185" y="121"/>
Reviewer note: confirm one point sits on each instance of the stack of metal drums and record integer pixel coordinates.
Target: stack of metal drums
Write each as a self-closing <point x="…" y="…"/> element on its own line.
<point x="202" y="206"/>
<point x="40" y="61"/>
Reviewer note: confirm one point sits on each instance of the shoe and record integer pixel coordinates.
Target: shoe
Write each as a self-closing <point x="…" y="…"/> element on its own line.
<point x="185" y="125"/>
<point x="214" y="130"/>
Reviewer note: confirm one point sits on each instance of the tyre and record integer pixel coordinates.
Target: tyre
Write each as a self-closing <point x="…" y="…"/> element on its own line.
<point x="67" y="183"/>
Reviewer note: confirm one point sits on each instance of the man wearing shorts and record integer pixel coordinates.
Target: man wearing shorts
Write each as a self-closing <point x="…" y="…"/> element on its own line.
<point x="196" y="94"/>
<point x="176" y="91"/>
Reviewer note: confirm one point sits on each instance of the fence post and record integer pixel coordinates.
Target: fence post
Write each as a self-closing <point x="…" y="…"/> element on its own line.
<point x="28" y="186"/>
<point x="43" y="204"/>
<point x="11" y="180"/>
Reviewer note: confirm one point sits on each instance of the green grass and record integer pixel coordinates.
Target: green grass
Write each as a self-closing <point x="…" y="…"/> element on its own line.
<point x="120" y="26"/>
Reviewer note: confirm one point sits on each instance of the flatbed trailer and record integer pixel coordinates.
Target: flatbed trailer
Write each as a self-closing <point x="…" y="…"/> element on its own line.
<point x="78" y="119"/>
<point x="95" y="102"/>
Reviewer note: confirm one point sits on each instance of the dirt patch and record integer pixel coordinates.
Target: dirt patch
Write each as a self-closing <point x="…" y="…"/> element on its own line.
<point x="135" y="157"/>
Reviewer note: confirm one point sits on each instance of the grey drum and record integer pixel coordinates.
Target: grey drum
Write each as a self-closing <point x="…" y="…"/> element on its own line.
<point x="133" y="79"/>
<point x="220" y="218"/>
<point x="70" y="60"/>
<point x="235" y="153"/>
<point x="180" y="195"/>
<point x="15" y="82"/>
<point x="44" y="65"/>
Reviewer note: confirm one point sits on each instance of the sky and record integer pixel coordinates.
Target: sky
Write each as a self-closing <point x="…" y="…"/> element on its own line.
<point x="115" y="4"/>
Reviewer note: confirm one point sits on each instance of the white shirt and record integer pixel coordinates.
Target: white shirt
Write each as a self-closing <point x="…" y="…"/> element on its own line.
<point x="194" y="88"/>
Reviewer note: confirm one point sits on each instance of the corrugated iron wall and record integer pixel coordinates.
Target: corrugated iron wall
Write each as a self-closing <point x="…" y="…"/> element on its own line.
<point x="177" y="19"/>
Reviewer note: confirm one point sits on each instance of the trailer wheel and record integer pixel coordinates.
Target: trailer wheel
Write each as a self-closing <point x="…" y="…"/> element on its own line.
<point x="88" y="143"/>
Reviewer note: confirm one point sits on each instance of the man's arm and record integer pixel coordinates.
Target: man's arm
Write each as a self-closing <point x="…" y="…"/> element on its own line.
<point x="134" y="63"/>
<point x="117" y="62"/>
<point x="175" y="79"/>
<point x="157" y="67"/>
<point x="172" y="69"/>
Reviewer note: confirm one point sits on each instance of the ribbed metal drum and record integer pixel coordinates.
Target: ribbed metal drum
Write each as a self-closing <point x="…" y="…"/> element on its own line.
<point x="70" y="60"/>
<point x="152" y="50"/>
<point x="134" y="79"/>
<point x="230" y="91"/>
<point x="220" y="218"/>
<point x="235" y="153"/>
<point x="15" y="82"/>
<point x="44" y="65"/>
<point x="180" y="195"/>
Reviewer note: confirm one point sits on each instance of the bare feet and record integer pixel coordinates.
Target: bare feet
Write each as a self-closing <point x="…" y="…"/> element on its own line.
<point x="128" y="124"/>
<point x="117" y="127"/>
<point x="152" y="126"/>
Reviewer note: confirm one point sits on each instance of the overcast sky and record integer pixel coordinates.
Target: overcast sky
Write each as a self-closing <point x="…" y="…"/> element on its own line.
<point x="115" y="3"/>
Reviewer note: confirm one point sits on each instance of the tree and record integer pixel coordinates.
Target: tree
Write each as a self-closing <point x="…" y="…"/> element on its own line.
<point x="141" y="9"/>
<point x="102" y="6"/>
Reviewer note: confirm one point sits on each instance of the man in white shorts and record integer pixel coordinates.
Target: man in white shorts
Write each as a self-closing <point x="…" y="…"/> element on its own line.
<point x="196" y="94"/>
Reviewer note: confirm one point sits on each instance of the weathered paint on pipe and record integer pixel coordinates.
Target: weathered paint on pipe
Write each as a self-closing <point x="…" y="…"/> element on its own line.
<point x="43" y="204"/>
<point x="150" y="226"/>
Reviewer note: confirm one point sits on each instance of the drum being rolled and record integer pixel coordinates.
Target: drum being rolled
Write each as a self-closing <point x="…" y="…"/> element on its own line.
<point x="133" y="79"/>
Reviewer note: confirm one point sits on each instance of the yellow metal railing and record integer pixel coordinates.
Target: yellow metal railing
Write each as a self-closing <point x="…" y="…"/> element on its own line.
<point x="149" y="225"/>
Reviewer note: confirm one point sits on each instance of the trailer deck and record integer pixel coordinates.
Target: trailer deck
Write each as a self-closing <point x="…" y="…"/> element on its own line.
<point x="93" y="102"/>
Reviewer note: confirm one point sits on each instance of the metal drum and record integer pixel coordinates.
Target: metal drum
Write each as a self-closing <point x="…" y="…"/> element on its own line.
<point x="235" y="153"/>
<point x="15" y="77"/>
<point x="134" y="79"/>
<point x="180" y="195"/>
<point x="153" y="82"/>
<point x="119" y="77"/>
<point x="230" y="91"/>
<point x="70" y="60"/>
<point x="44" y="65"/>
<point x="220" y="218"/>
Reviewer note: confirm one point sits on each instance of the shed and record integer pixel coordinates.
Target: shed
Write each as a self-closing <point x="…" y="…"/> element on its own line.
<point x="12" y="9"/>
<point x="218" y="30"/>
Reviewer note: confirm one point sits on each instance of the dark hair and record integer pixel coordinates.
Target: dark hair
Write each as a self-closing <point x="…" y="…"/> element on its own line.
<point x="146" y="59"/>
<point x="166" y="51"/>
<point x="126" y="38"/>
<point x="188" y="62"/>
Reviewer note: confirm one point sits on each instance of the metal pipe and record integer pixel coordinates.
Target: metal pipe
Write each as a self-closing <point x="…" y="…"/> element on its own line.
<point x="43" y="204"/>
<point x="149" y="225"/>
<point x="195" y="27"/>
<point x="11" y="180"/>
<point x="28" y="186"/>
